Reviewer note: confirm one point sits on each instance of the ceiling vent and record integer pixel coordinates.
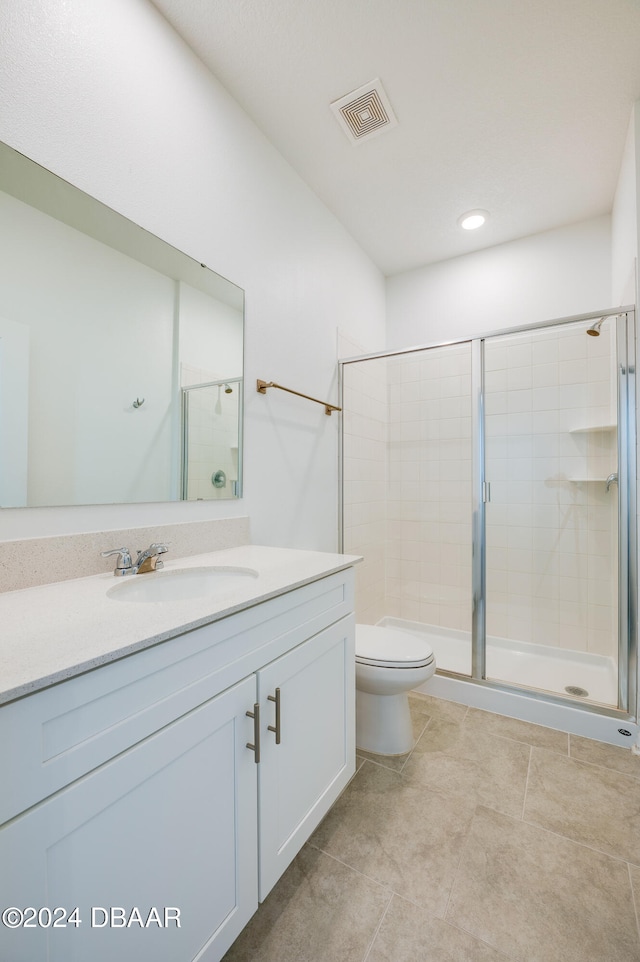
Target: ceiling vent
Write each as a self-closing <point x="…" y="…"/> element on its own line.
<point x="365" y="112"/>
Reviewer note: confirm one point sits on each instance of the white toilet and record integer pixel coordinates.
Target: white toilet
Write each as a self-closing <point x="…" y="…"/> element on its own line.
<point x="389" y="663"/>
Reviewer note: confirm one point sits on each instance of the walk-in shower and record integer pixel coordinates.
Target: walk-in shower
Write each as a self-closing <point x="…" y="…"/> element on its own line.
<point x="489" y="485"/>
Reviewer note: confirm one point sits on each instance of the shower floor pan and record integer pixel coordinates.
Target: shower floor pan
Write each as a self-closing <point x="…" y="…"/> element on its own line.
<point x="521" y="663"/>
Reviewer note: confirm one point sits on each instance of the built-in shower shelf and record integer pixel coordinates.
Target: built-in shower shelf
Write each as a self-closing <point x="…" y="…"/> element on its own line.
<point x="587" y="480"/>
<point x="593" y="427"/>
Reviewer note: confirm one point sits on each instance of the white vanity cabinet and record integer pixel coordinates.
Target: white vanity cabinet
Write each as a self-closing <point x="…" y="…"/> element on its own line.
<point x="302" y="771"/>
<point x="171" y="823"/>
<point x="132" y="787"/>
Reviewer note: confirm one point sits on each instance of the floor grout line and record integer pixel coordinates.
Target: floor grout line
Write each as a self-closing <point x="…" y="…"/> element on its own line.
<point x="526" y="783"/>
<point x="431" y="789"/>
<point x="378" y="927"/>
<point x="605" y="768"/>
<point x="388" y="768"/>
<point x="424" y="728"/>
<point x="458" y="864"/>
<point x="574" y="841"/>
<point x="633" y="896"/>
<point x="566" y="838"/>
<point x="477" y="938"/>
<point x="375" y="881"/>
<point x="521" y="741"/>
<point x="568" y="755"/>
<point x="369" y="878"/>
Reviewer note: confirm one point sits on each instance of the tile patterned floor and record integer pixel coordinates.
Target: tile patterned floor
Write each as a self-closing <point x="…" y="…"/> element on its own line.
<point x="492" y="841"/>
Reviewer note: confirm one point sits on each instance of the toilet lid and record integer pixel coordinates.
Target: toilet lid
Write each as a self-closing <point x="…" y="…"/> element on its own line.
<point x="391" y="648"/>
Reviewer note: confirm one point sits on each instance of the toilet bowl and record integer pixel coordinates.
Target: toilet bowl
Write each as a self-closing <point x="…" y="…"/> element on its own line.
<point x="389" y="663"/>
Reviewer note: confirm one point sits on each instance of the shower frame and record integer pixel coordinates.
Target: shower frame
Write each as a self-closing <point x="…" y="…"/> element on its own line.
<point x="482" y="688"/>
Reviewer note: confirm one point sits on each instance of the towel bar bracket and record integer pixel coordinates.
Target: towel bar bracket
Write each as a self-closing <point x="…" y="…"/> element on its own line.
<point x="261" y="387"/>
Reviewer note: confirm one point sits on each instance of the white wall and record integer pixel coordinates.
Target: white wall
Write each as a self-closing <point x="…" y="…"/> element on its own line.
<point x="555" y="274"/>
<point x="624" y="221"/>
<point x="106" y="95"/>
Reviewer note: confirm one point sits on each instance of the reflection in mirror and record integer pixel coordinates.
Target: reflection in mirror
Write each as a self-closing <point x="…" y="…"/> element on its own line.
<point x="211" y="411"/>
<point x="103" y="329"/>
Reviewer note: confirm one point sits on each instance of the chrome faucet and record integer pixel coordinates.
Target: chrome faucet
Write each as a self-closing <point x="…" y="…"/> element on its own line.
<point x="612" y="479"/>
<point x="147" y="560"/>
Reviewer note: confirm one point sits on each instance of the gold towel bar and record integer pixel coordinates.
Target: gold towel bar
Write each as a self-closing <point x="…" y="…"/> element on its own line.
<point x="263" y="385"/>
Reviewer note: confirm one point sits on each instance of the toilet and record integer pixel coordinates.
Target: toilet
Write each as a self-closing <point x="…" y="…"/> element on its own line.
<point x="389" y="663"/>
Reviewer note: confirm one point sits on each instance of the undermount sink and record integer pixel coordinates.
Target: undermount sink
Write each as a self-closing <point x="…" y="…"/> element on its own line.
<point x="182" y="584"/>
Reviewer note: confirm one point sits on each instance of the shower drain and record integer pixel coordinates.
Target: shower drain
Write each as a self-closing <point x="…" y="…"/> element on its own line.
<point x="576" y="690"/>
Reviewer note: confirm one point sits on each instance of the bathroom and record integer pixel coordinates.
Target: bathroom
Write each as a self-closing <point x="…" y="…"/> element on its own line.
<point x="103" y="104"/>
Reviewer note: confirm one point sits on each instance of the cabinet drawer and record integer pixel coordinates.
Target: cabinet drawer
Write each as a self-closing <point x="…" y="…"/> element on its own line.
<point x="53" y="737"/>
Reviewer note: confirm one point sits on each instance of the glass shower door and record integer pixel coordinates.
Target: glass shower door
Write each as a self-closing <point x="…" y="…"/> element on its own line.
<point x="552" y="510"/>
<point x="430" y="498"/>
<point x="407" y="494"/>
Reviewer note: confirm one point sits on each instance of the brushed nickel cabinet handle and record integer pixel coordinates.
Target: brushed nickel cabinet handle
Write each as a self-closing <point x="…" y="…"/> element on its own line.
<point x="275" y="728"/>
<point x="255" y="747"/>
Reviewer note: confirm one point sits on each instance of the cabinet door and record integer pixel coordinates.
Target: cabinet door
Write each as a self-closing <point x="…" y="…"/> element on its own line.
<point x="300" y="778"/>
<point x="169" y="823"/>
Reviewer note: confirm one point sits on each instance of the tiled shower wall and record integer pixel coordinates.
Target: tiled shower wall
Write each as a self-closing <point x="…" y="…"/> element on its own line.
<point x="365" y="418"/>
<point x="551" y="525"/>
<point x="429" y="509"/>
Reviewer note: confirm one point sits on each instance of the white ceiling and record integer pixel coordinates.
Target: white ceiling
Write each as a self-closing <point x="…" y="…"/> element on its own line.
<point x="520" y="107"/>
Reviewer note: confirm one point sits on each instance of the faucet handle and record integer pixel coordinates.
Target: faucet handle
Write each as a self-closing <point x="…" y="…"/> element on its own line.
<point x="147" y="560"/>
<point x="158" y="547"/>
<point x="125" y="564"/>
<point x="161" y="546"/>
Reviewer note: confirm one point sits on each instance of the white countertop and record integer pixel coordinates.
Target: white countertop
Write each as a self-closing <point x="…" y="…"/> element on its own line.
<point x="56" y="631"/>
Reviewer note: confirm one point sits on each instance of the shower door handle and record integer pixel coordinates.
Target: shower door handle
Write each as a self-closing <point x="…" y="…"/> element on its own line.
<point x="486" y="492"/>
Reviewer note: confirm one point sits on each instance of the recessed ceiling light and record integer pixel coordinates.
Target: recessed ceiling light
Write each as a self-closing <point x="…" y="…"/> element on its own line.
<point x="473" y="219"/>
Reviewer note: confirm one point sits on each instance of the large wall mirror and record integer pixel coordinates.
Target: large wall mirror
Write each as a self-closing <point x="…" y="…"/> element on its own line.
<point x="121" y="359"/>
